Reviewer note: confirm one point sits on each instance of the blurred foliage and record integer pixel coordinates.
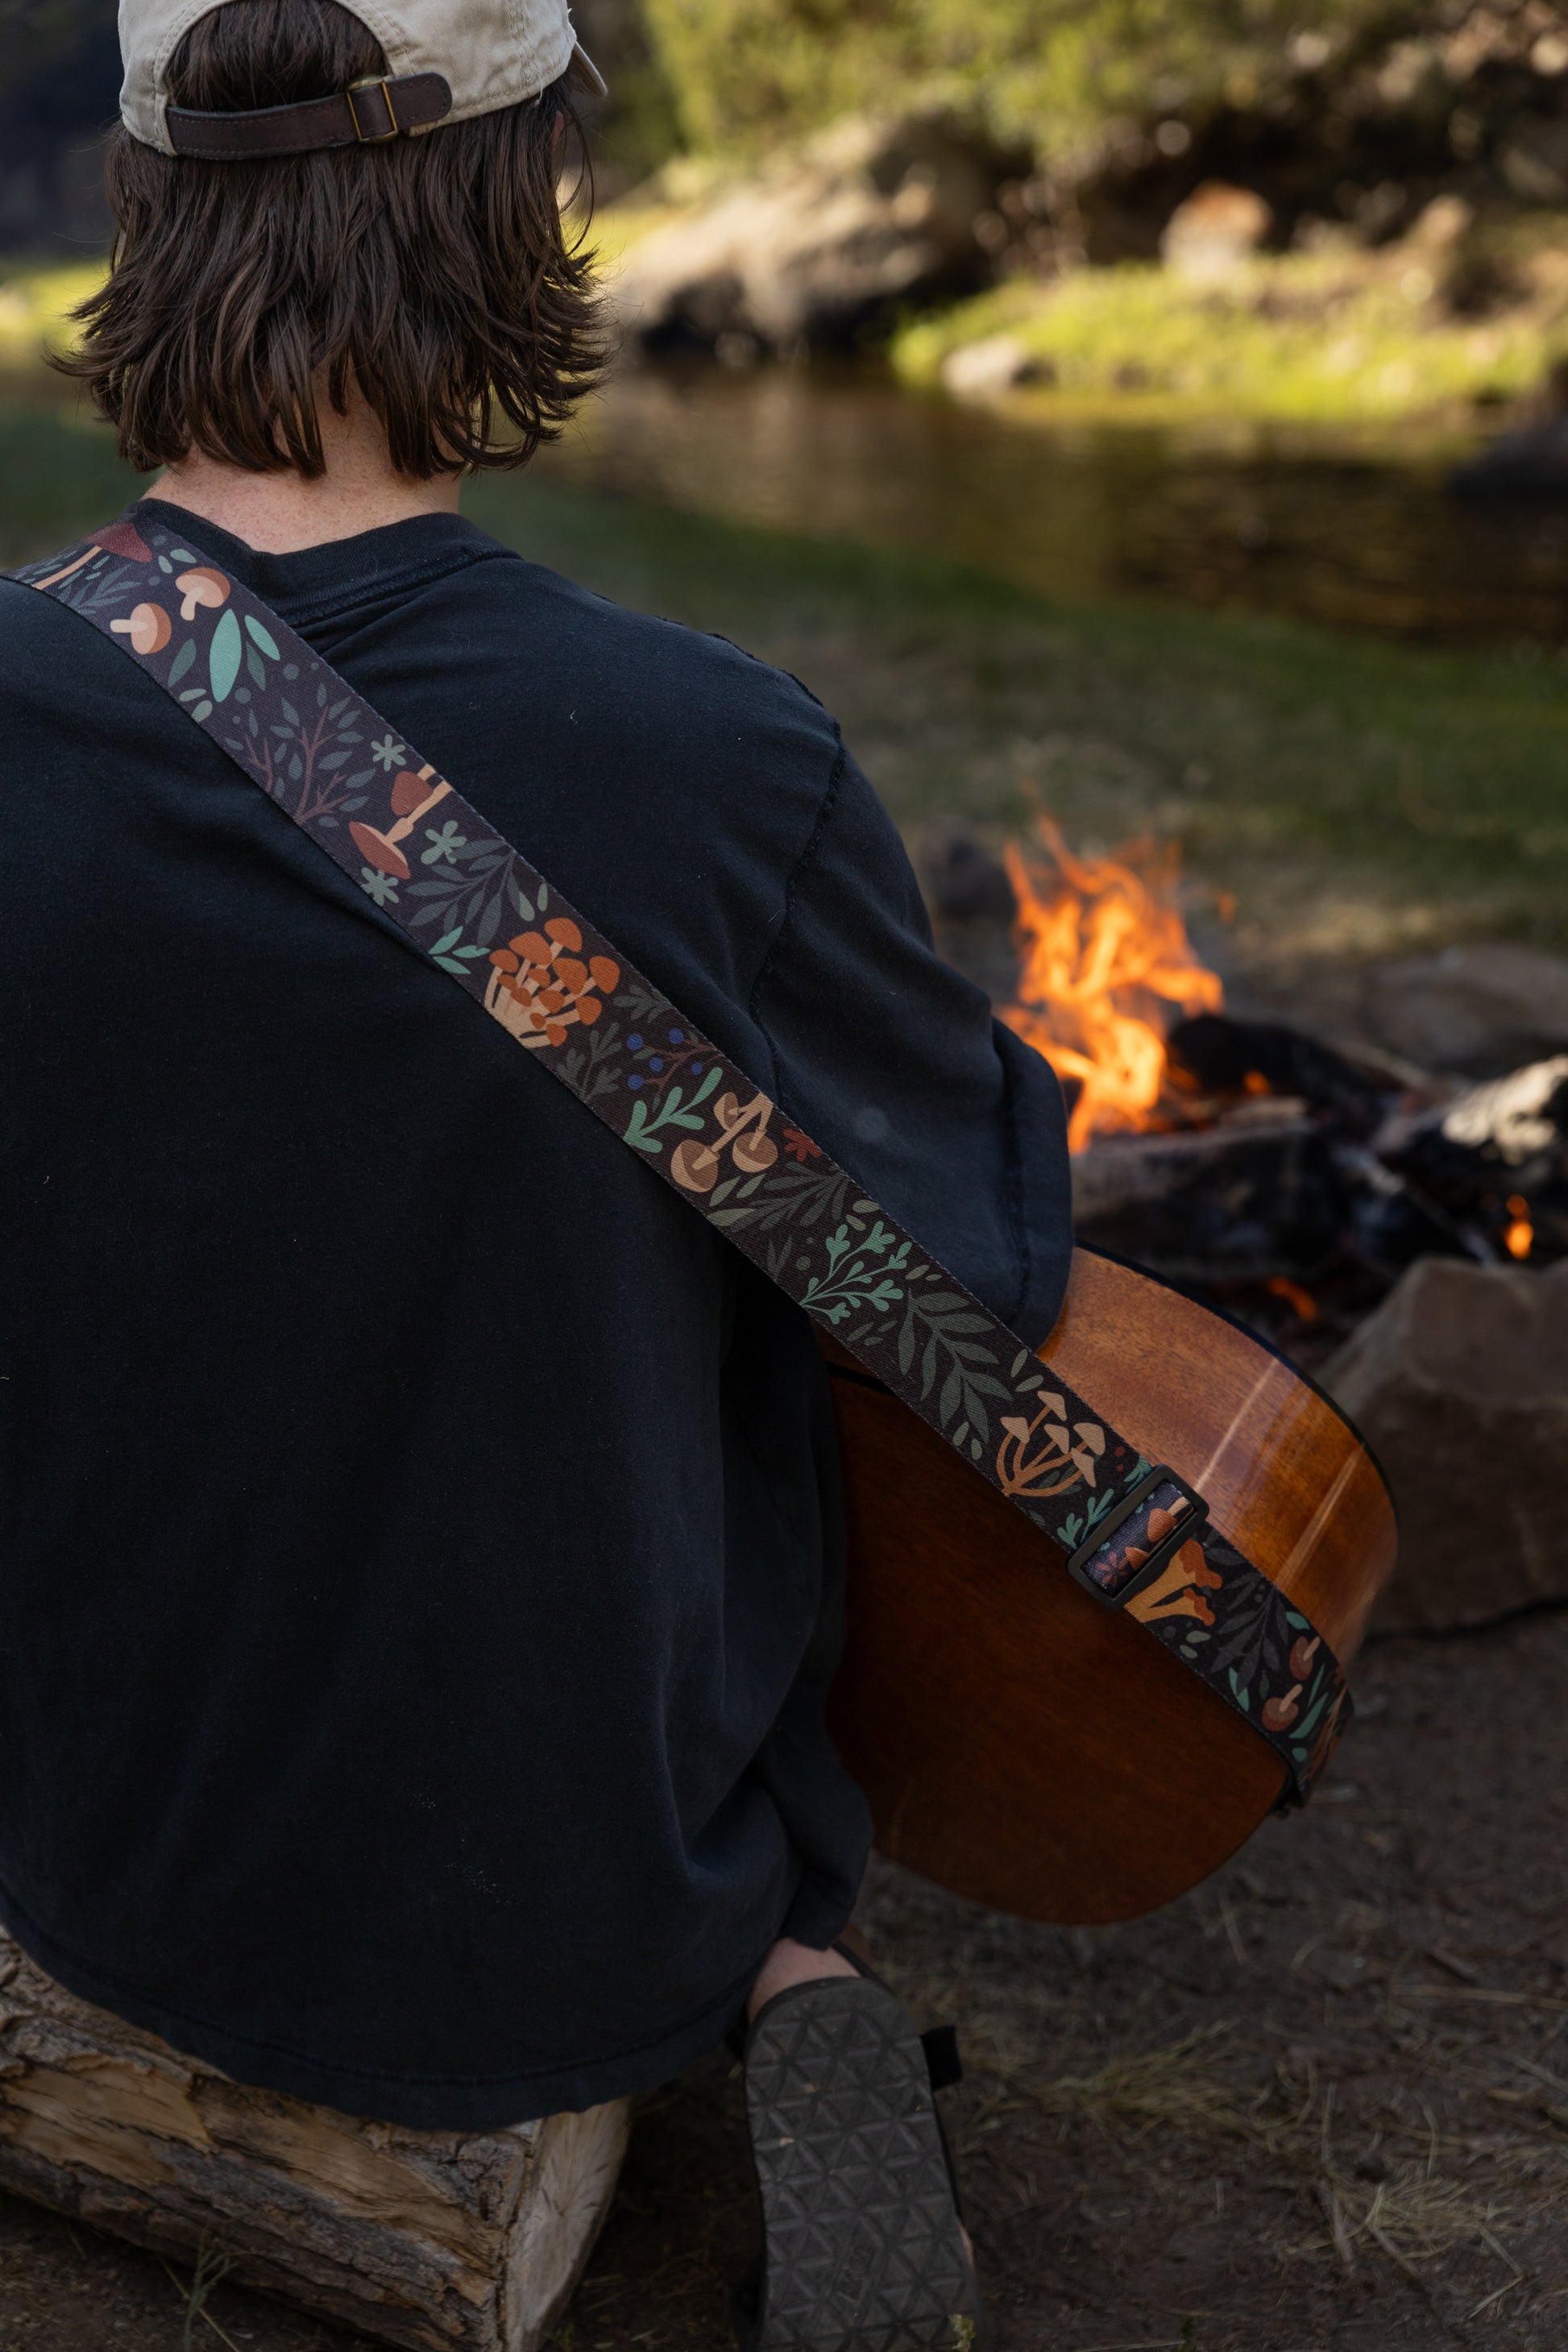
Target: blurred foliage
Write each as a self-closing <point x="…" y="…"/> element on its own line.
<point x="37" y="35"/>
<point x="748" y="72"/>
<point x="35" y="306"/>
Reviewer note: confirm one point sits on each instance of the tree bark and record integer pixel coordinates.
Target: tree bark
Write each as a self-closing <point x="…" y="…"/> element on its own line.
<point x="442" y="2241"/>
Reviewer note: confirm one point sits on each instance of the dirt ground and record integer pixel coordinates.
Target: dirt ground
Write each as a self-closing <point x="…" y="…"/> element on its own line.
<point x="1321" y="2106"/>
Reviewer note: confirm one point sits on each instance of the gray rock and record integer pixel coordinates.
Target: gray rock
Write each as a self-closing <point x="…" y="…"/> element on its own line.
<point x="871" y="214"/>
<point x="1479" y="1011"/>
<point x="963" y="880"/>
<point x="1460" y="1384"/>
<point x="972" y="906"/>
<point x="1529" y="462"/>
<point x="996" y="364"/>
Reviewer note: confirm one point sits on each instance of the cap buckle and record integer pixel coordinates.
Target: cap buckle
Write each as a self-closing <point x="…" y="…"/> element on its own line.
<point x="373" y="138"/>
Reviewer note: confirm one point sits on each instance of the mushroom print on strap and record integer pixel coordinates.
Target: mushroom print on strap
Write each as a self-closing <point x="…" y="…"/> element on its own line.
<point x="459" y="893"/>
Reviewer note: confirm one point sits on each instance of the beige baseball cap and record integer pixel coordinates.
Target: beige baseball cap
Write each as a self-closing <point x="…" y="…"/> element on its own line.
<point x="446" y="59"/>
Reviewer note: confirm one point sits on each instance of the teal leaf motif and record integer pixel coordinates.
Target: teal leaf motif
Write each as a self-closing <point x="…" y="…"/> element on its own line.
<point x="224" y="655"/>
<point x="851" y="1279"/>
<point x="260" y="637"/>
<point x="181" y="661"/>
<point x="673" y="1111"/>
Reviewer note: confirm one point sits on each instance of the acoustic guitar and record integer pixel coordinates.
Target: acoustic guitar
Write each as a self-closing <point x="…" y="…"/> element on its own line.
<point x="973" y="1702"/>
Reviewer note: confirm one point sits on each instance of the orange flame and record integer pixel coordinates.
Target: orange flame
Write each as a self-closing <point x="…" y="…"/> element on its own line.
<point x="1104" y="957"/>
<point x="1519" y="1239"/>
<point x="1299" y="1300"/>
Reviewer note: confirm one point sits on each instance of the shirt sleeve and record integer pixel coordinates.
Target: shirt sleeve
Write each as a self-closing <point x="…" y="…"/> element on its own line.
<point x="892" y="1062"/>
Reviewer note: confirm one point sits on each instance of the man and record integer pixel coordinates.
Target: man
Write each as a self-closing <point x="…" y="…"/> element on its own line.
<point x="421" y="1548"/>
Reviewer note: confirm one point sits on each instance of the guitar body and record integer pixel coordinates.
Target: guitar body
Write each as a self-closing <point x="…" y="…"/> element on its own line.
<point x="1019" y="1742"/>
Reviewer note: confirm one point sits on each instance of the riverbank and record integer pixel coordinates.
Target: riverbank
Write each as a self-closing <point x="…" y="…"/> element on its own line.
<point x="1350" y="798"/>
<point x="1443" y="331"/>
<point x="1436" y="329"/>
<point x="1353" y="798"/>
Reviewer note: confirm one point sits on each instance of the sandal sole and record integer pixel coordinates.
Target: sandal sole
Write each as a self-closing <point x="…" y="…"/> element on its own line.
<point x="862" y="2246"/>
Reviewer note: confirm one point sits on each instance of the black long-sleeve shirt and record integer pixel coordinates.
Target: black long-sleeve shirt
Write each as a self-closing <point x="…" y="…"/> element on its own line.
<point x="419" y="1547"/>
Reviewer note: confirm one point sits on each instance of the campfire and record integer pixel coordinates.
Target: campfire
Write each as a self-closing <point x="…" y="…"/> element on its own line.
<point x="1285" y="1177"/>
<point x="1104" y="961"/>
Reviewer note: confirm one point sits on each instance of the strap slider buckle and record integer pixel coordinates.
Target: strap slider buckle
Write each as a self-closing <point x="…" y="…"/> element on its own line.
<point x="373" y="138"/>
<point x="1113" y="1577"/>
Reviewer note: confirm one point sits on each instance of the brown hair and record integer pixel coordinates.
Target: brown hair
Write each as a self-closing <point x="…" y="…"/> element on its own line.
<point x="434" y="273"/>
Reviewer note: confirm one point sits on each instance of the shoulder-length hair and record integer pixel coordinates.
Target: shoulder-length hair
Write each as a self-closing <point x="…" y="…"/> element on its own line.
<point x="432" y="276"/>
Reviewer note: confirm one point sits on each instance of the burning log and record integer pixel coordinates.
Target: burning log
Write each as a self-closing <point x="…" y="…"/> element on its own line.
<point x="1244" y="1201"/>
<point x="1496" y="1157"/>
<point x="1288" y="1180"/>
<point x="1222" y="1058"/>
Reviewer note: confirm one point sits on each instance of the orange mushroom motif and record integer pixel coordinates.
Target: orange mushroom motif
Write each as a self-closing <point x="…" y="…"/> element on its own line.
<point x="743" y="1131"/>
<point x="1302" y="1652"/>
<point x="414" y="795"/>
<point x="1057" y="1465"/>
<point x="539" y="984"/>
<point x="201" y="586"/>
<point x="1279" y="1714"/>
<point x="148" y="626"/>
<point x="1178" y="1590"/>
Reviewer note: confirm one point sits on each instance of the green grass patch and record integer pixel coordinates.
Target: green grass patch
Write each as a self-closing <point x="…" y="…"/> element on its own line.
<point x="1331" y="338"/>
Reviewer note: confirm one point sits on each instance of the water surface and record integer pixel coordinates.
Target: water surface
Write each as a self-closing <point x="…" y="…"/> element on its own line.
<point x="1359" y="532"/>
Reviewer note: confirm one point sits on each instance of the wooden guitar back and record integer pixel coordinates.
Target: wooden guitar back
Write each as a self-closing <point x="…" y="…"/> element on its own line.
<point x="1018" y="1742"/>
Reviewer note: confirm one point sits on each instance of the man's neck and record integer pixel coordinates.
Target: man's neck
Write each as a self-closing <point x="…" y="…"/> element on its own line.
<point x="277" y="513"/>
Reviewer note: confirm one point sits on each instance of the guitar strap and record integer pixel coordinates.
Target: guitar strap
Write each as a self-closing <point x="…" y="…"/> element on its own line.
<point x="1137" y="1536"/>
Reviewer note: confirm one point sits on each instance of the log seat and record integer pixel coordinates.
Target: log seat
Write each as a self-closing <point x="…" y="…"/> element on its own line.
<point x="438" y="2240"/>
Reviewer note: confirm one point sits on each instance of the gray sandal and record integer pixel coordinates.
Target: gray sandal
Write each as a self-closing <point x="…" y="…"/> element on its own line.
<point x="862" y="2246"/>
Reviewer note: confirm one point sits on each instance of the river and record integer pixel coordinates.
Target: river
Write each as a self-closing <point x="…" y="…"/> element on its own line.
<point x="1360" y="532"/>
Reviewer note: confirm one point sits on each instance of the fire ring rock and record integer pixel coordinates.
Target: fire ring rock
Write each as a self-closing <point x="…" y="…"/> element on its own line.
<point x="1460" y="1384"/>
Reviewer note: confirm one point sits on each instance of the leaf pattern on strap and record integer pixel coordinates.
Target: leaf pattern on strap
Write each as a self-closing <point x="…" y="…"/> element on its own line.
<point x="462" y="894"/>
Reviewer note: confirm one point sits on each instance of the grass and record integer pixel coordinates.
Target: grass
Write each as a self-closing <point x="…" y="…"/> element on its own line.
<point x="1356" y="796"/>
<point x="1344" y="338"/>
<point x="1176" y="2092"/>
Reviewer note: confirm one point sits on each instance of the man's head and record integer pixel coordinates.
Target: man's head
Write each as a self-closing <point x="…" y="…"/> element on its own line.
<point x="262" y="269"/>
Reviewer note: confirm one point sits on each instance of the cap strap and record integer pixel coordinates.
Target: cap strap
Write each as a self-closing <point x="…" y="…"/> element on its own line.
<point x="362" y="115"/>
